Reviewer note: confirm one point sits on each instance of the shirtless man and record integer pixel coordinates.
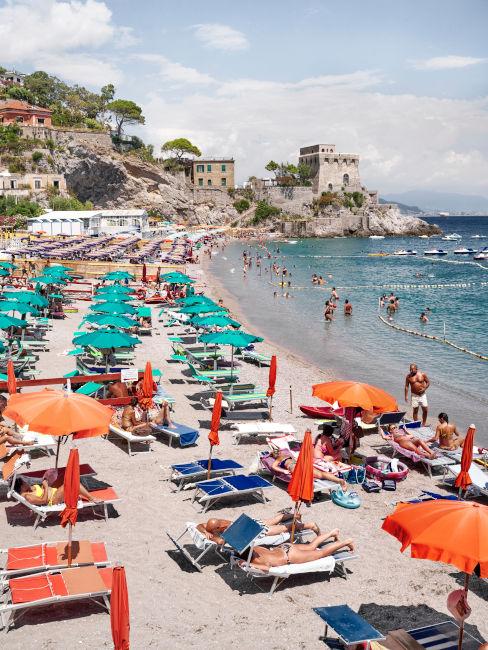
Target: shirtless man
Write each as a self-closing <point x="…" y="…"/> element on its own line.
<point x="418" y="382"/>
<point x="347" y="308"/>
<point x="117" y="389"/>
<point x="447" y="434"/>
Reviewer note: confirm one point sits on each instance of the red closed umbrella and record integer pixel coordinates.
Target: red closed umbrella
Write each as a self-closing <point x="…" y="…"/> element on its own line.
<point x="71" y="495"/>
<point x="213" y="436"/>
<point x="144" y="274"/>
<point x="300" y="487"/>
<point x="463" y="480"/>
<point x="119" y="610"/>
<point x="271" y="383"/>
<point x="146" y="392"/>
<point x="11" y="380"/>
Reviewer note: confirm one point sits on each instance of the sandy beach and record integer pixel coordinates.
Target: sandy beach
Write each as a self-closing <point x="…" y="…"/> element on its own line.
<point x="174" y="606"/>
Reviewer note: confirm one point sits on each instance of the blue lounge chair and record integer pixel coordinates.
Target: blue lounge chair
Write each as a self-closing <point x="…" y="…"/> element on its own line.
<point x="213" y="490"/>
<point x="186" y="436"/>
<point x="443" y="636"/>
<point x="351" y="628"/>
<point x="182" y="472"/>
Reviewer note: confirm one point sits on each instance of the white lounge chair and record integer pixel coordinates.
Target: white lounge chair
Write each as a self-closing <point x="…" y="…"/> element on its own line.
<point x="143" y="441"/>
<point x="40" y="442"/>
<point x="429" y="464"/>
<point x="259" y="430"/>
<point x="257" y="357"/>
<point x="476" y="474"/>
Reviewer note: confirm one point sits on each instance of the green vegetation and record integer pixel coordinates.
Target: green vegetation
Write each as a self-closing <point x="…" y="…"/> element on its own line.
<point x="329" y="198"/>
<point x="125" y="112"/>
<point x="10" y="138"/>
<point x="289" y="174"/>
<point x="242" y="205"/>
<point x="37" y="156"/>
<point x="264" y="211"/>
<point x="180" y="148"/>
<point x="12" y="208"/>
<point x="353" y="199"/>
<point x="69" y="203"/>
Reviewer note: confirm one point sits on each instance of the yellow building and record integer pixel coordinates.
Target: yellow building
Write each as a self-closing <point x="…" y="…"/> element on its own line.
<point x="213" y="172"/>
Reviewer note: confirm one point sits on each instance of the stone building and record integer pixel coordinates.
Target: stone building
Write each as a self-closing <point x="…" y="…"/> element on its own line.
<point x="213" y="172"/>
<point x="29" y="183"/>
<point x="15" y="111"/>
<point x="11" y="78"/>
<point x="331" y="171"/>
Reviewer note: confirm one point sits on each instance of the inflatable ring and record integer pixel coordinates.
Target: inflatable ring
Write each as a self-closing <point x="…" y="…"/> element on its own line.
<point x="348" y="500"/>
<point x="380" y="469"/>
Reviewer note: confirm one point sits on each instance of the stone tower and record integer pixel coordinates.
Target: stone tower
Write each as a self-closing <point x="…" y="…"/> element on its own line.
<point x="331" y="171"/>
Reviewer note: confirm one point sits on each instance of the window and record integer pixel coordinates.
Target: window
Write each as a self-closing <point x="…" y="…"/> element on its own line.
<point x="19" y="119"/>
<point x="223" y="168"/>
<point x="345" y="179"/>
<point x="13" y="185"/>
<point x="200" y="169"/>
<point x="37" y="184"/>
<point x="209" y="182"/>
<point x="209" y="168"/>
<point x="200" y="182"/>
<point x="40" y="120"/>
<point x="223" y="182"/>
<point x="56" y="184"/>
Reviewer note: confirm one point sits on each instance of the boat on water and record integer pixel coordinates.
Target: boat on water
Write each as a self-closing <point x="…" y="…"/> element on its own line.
<point x="435" y="251"/>
<point x="423" y="236"/>
<point x="291" y="241"/>
<point x="376" y="237"/>
<point x="404" y="252"/>
<point x="464" y="251"/>
<point x="482" y="254"/>
<point x="477" y="236"/>
<point x="452" y="237"/>
<point x="379" y="254"/>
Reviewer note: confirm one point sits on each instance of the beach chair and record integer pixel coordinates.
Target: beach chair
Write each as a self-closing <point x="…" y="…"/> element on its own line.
<point x="266" y="461"/>
<point x="91" y="388"/>
<point x="183" y="472"/>
<point x="245" y="533"/>
<point x="351" y="628"/>
<point x="440" y="462"/>
<point x="144" y="442"/>
<point x="477" y="474"/>
<point x="184" y="435"/>
<point x="211" y="376"/>
<point x="385" y="419"/>
<point x="256" y="357"/>
<point x="54" y="587"/>
<point x="258" y="430"/>
<point x="47" y="556"/>
<point x="39" y="442"/>
<point x="208" y="493"/>
<point x="443" y="636"/>
<point x="235" y="388"/>
<point x="231" y="400"/>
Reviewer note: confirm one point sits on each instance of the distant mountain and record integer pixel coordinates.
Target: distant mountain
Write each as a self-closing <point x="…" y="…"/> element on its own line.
<point x="403" y="207"/>
<point x="445" y="201"/>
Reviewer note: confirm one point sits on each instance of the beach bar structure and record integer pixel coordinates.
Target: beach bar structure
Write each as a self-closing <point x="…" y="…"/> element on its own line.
<point x="90" y="222"/>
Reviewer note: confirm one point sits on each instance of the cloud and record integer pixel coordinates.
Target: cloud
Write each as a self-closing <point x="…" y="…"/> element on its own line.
<point x="32" y="31"/>
<point x="450" y="62"/>
<point x="403" y="140"/>
<point x="173" y="71"/>
<point x="220" y="37"/>
<point x="80" y="69"/>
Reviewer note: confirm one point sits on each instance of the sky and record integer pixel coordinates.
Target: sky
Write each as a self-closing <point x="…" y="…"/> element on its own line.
<point x="401" y="83"/>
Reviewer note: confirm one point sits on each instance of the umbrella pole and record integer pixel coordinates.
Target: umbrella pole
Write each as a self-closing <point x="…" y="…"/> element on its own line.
<point x="461" y="627"/>
<point x="70" y="534"/>
<point x="232" y="364"/>
<point x="58" y="445"/>
<point x="209" y="464"/>
<point x="271" y="408"/>
<point x="293" y="525"/>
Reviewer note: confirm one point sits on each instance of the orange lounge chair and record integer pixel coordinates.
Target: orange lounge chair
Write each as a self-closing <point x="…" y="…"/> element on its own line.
<point x="55" y="587"/>
<point x="47" y="556"/>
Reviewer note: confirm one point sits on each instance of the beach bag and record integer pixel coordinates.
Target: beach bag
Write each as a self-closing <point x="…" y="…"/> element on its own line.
<point x="371" y="486"/>
<point x="389" y="485"/>
<point x="356" y="475"/>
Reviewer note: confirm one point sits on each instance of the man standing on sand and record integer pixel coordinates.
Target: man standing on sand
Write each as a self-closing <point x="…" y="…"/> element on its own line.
<point x="418" y="382"/>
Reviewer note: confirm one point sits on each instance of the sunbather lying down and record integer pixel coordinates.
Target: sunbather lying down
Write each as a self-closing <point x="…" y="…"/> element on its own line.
<point x="47" y="495"/>
<point x="140" y="423"/>
<point x="280" y="523"/>
<point x="284" y="464"/>
<point x="408" y="441"/>
<point x="13" y="438"/>
<point x="264" y="558"/>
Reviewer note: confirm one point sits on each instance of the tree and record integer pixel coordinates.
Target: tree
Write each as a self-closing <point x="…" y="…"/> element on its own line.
<point x="242" y="205"/>
<point x="272" y="166"/>
<point x="181" y="148"/>
<point x="304" y="173"/>
<point x="125" y="111"/>
<point x="19" y="92"/>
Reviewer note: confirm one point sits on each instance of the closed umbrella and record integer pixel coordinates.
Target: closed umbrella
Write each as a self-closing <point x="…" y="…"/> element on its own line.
<point x="71" y="495"/>
<point x="236" y="339"/>
<point x="146" y="391"/>
<point x="463" y="480"/>
<point x="113" y="308"/>
<point x="11" y="380"/>
<point x="300" y="488"/>
<point x="213" y="436"/>
<point x="119" y="610"/>
<point x="144" y="274"/>
<point x="271" y="384"/>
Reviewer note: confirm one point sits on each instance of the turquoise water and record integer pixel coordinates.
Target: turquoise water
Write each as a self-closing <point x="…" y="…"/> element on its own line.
<point x="362" y="347"/>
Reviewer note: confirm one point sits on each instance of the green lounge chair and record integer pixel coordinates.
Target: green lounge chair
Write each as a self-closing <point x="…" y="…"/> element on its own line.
<point x="204" y="376"/>
<point x="91" y="388"/>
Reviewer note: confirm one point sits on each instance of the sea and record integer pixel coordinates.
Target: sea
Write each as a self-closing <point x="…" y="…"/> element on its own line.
<point x="453" y="290"/>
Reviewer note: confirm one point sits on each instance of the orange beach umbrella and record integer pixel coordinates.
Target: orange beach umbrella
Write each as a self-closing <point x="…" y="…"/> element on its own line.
<point x="463" y="480"/>
<point x="119" y="610"/>
<point x="69" y="515"/>
<point x="300" y="488"/>
<point x="355" y="394"/>
<point x="11" y="380"/>
<point x="213" y="436"/>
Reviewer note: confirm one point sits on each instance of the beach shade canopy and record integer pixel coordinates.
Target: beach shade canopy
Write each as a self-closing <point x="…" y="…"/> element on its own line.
<point x="8" y="265"/>
<point x="214" y="320"/>
<point x="114" y="288"/>
<point x="463" y="480"/>
<point x="11" y="380"/>
<point x="119" y="610"/>
<point x="20" y="307"/>
<point x="194" y="300"/>
<point x="56" y="271"/>
<point x="49" y="279"/>
<point x="71" y="484"/>
<point x="355" y="394"/>
<point x="113" y="297"/>
<point x="29" y="297"/>
<point x="203" y="308"/>
<point x="176" y="277"/>
<point x="10" y="321"/>
<point x="105" y="339"/>
<point x="146" y="390"/>
<point x="59" y="413"/>
<point x="109" y="320"/>
<point x="229" y="337"/>
<point x="118" y="275"/>
<point x="113" y="308"/>
<point x="4" y="272"/>
<point x="57" y="268"/>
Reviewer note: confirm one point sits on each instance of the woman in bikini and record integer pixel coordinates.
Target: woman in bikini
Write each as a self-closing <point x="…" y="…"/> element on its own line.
<point x="285" y="464"/>
<point x="265" y="558"/>
<point x="46" y="495"/>
<point x="407" y="441"/>
<point x="325" y="447"/>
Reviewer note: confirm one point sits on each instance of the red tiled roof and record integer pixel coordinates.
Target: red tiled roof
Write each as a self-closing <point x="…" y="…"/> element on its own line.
<point x="18" y="105"/>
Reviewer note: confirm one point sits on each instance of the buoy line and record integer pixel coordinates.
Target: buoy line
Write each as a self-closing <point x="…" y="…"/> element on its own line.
<point x="431" y="337"/>
<point x="451" y="285"/>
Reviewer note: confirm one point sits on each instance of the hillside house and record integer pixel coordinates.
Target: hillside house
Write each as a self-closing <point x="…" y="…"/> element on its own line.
<point x="15" y="111"/>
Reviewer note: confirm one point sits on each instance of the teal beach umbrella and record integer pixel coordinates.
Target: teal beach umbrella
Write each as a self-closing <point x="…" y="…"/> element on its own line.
<point x="204" y="308"/>
<point x="4" y="272"/>
<point x="10" y="321"/>
<point x="49" y="279"/>
<point x="113" y="297"/>
<point x="111" y="320"/>
<point x="214" y="320"/>
<point x="8" y="265"/>
<point x="177" y="278"/>
<point x="195" y="300"/>
<point x="29" y="297"/>
<point x="114" y="288"/>
<point x="113" y="308"/>
<point x="106" y="339"/>
<point x="20" y="307"/>
<point x="118" y="275"/>
<point x="229" y="337"/>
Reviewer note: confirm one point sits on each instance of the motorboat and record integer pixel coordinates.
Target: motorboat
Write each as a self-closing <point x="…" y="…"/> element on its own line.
<point x="423" y="236"/>
<point x="482" y="254"/>
<point x="452" y="237"/>
<point x="379" y="254"/>
<point x="435" y="251"/>
<point x="404" y="252"/>
<point x="464" y="251"/>
<point x="477" y="236"/>
<point x="376" y="237"/>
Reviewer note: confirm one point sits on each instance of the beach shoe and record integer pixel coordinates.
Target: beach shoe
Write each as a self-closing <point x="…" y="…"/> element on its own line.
<point x="348" y="500"/>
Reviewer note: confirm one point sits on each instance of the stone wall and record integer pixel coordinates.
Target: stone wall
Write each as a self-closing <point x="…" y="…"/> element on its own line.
<point x="211" y="195"/>
<point x="293" y="200"/>
<point x="69" y="136"/>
